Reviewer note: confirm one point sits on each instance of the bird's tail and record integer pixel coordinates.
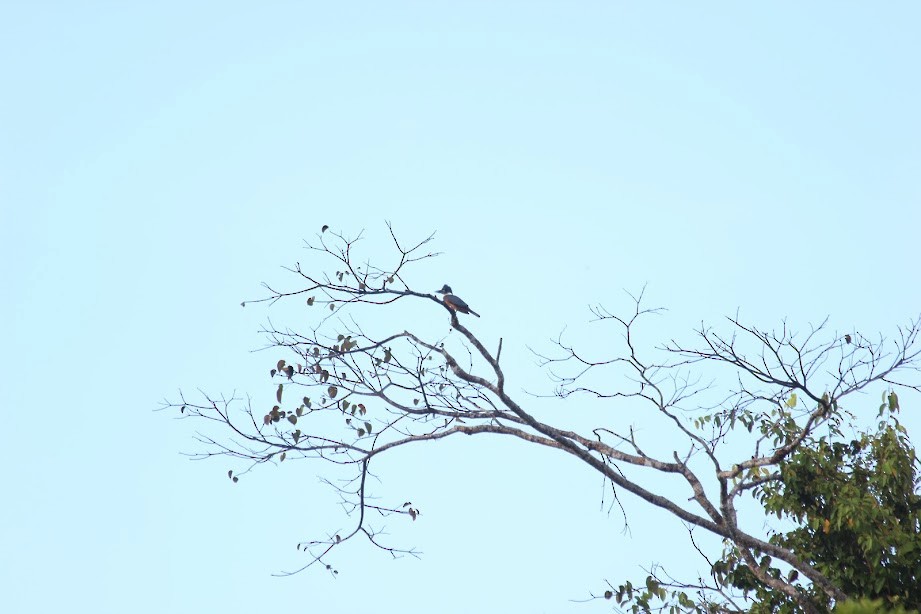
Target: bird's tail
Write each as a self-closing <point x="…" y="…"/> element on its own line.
<point x="472" y="312"/>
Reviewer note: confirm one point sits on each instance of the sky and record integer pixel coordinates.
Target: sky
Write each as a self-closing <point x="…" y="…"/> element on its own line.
<point x="159" y="160"/>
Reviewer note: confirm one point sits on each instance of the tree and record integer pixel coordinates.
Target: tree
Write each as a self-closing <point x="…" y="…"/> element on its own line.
<point x="351" y="391"/>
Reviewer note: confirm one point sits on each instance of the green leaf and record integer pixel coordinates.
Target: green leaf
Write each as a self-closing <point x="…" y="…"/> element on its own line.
<point x="791" y="402"/>
<point x="292" y="419"/>
<point x="893" y="402"/>
<point x="281" y="458"/>
<point x="296" y="435"/>
<point x="368" y="427"/>
<point x="278" y="392"/>
<point x="332" y="391"/>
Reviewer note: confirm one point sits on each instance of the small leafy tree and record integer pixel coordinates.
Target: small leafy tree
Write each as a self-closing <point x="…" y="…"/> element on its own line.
<point x="780" y="434"/>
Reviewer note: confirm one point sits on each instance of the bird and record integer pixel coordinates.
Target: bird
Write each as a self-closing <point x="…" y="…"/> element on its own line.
<point x="455" y="303"/>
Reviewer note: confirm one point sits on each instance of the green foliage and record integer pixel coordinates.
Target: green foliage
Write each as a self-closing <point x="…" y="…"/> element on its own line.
<point x="858" y="512"/>
<point x="855" y="510"/>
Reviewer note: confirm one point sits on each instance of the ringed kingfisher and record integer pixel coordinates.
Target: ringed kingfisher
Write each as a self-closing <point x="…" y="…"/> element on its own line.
<point x="455" y="303"/>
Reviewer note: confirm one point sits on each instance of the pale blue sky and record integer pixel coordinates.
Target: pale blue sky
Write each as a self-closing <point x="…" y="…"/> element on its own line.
<point x="157" y="162"/>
